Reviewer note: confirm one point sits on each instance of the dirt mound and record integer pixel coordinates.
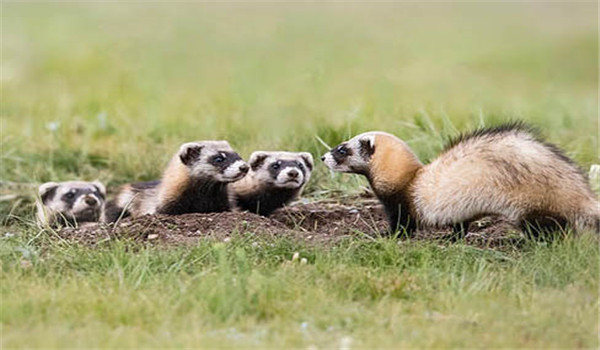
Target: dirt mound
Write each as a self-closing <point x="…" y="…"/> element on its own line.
<point x="180" y="229"/>
<point x="368" y="217"/>
<point x="320" y="223"/>
<point x="333" y="218"/>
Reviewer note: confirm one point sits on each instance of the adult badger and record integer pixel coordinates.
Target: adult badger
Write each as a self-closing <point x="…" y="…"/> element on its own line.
<point x="70" y="203"/>
<point x="506" y="170"/>
<point x="195" y="181"/>
<point x="274" y="180"/>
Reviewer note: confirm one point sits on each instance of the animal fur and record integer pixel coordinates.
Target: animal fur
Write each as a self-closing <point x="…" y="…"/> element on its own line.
<point x="195" y="181"/>
<point x="274" y="180"/>
<point x="70" y="203"/>
<point x="506" y="170"/>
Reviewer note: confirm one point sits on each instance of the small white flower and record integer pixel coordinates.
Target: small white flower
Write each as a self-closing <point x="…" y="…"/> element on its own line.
<point x="53" y="126"/>
<point x="345" y="343"/>
<point x="296" y="256"/>
<point x="102" y="120"/>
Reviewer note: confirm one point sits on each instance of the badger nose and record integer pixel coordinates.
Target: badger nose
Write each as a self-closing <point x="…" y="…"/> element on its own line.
<point x="91" y="201"/>
<point x="244" y="168"/>
<point x="323" y="158"/>
<point x="293" y="174"/>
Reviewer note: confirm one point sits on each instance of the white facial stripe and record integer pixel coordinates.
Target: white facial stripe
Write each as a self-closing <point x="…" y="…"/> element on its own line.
<point x="81" y="204"/>
<point x="286" y="180"/>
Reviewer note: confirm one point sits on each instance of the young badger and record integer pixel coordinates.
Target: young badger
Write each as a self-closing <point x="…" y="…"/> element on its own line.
<point x="275" y="179"/>
<point x="70" y="203"/>
<point x="195" y="181"/>
<point x="505" y="170"/>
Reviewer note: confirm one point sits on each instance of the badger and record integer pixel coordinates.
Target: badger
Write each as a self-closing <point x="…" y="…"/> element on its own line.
<point x="505" y="170"/>
<point x="70" y="203"/>
<point x="274" y="180"/>
<point x="195" y="181"/>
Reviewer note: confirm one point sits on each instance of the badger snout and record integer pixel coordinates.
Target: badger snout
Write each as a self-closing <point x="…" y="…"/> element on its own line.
<point x="327" y="158"/>
<point x="236" y="171"/>
<point x="290" y="177"/>
<point x="90" y="201"/>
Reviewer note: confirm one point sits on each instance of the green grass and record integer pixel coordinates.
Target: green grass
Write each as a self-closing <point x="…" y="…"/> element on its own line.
<point x="108" y="91"/>
<point x="375" y="293"/>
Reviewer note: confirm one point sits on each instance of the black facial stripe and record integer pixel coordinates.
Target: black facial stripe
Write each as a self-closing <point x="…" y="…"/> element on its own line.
<point x="283" y="164"/>
<point x="78" y="193"/>
<point x="70" y="197"/>
<point x="98" y="192"/>
<point x="230" y="158"/>
<point x="340" y="153"/>
<point x="98" y="195"/>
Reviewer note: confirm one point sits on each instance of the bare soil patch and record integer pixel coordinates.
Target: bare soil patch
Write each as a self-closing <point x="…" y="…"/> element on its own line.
<point x="324" y="222"/>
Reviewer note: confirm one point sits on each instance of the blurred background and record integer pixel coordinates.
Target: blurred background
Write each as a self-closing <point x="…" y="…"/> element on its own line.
<point x="108" y="91"/>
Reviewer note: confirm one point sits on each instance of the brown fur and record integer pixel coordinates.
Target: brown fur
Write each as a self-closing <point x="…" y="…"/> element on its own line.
<point x="190" y="183"/>
<point x="393" y="165"/>
<point x="174" y="181"/>
<point x="507" y="171"/>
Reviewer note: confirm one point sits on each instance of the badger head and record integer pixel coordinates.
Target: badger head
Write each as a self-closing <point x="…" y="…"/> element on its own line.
<point x="71" y="202"/>
<point x="281" y="169"/>
<point x="215" y="160"/>
<point x="352" y="156"/>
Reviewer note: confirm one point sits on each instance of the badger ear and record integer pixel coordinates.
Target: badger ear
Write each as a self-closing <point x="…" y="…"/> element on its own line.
<point x="308" y="159"/>
<point x="100" y="186"/>
<point x="367" y="146"/>
<point x="47" y="191"/>
<point x="257" y="159"/>
<point x="189" y="152"/>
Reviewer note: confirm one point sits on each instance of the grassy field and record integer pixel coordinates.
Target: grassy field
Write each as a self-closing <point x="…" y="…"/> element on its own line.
<point x="108" y="91"/>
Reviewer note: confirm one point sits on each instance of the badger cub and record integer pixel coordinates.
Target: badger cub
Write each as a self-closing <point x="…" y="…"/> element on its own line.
<point x="506" y="170"/>
<point x="195" y="181"/>
<point x="274" y="180"/>
<point x="70" y="203"/>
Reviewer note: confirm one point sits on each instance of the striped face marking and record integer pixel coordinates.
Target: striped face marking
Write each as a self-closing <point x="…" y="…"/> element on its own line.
<point x="282" y="169"/>
<point x="213" y="159"/>
<point x="352" y="156"/>
<point x="78" y="201"/>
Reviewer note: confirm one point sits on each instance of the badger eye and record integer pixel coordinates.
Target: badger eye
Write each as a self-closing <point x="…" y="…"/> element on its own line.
<point x="70" y="195"/>
<point x="218" y="159"/>
<point x="275" y="166"/>
<point x="342" y="151"/>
